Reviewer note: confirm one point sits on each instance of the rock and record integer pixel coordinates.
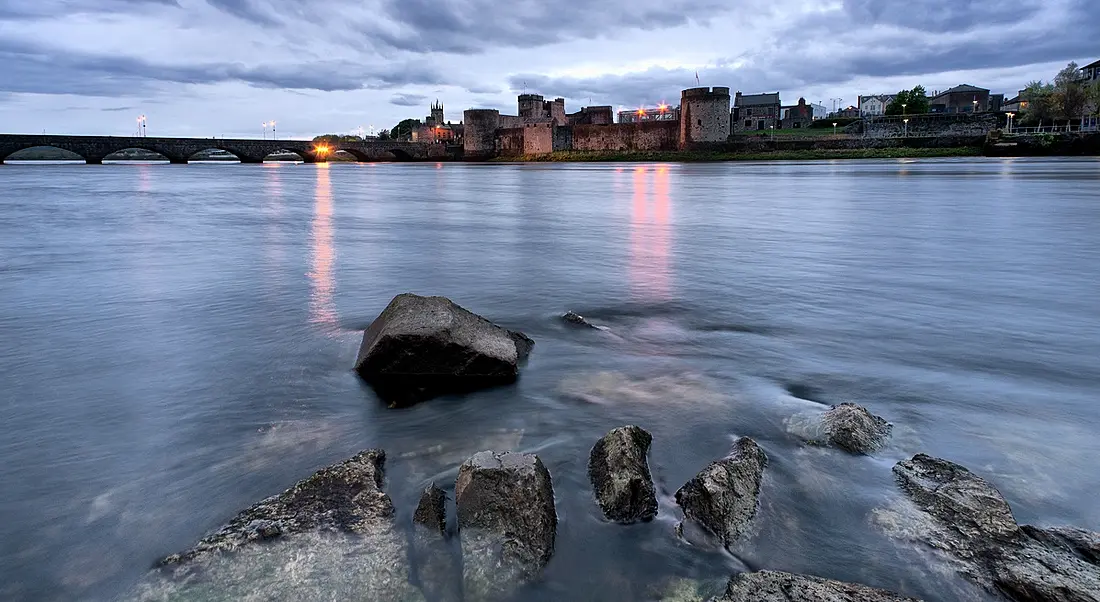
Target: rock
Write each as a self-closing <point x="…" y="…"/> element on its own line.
<point x="620" y="475"/>
<point x="431" y="512"/>
<point x="337" y="513"/>
<point x="773" y="586"/>
<point x="576" y="319"/>
<point x="506" y="521"/>
<point x="723" y="496"/>
<point x="971" y="522"/>
<point x="439" y="571"/>
<point x="422" y="347"/>
<point x="852" y="428"/>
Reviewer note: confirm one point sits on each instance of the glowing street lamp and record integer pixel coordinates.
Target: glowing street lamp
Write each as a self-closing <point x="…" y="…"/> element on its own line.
<point x="1010" y="116"/>
<point x="834" y="128"/>
<point x="273" y="136"/>
<point x="906" y="121"/>
<point x="265" y="129"/>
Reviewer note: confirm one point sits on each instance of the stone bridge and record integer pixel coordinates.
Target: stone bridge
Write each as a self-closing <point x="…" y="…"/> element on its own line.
<point x="178" y="150"/>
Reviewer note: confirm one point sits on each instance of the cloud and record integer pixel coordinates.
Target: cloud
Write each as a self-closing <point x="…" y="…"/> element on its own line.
<point x="27" y="9"/>
<point x="30" y="69"/>
<point x="408" y="100"/>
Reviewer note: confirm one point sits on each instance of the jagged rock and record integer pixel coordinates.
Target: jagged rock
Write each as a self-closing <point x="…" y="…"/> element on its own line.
<point x="971" y="522"/>
<point x="620" y="475"/>
<point x="338" y="512"/>
<point x="439" y="570"/>
<point x="723" y="496"/>
<point x="431" y="512"/>
<point x="422" y="347"/>
<point x="773" y="586"/>
<point x="506" y="521"/>
<point x="852" y="428"/>
<point x="576" y="319"/>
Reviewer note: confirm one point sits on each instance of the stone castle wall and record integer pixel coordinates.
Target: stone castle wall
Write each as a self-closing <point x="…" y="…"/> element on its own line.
<point x="978" y="124"/>
<point x="704" y="116"/>
<point x="642" y="136"/>
<point x="480" y="136"/>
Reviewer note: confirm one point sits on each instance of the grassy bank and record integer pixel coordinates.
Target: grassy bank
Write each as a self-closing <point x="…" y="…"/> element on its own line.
<point x="794" y="155"/>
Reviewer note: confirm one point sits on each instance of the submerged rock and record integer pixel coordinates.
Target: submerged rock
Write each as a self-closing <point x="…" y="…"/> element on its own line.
<point x="724" y="496"/>
<point x="620" y="475"/>
<point x="439" y="571"/>
<point x="773" y="586"/>
<point x="422" y="347"/>
<point x="506" y="520"/>
<point x="852" y="428"/>
<point x="576" y="319"/>
<point x="969" y="520"/>
<point x="279" y="547"/>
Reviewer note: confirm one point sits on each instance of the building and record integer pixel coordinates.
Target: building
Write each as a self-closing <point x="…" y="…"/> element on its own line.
<point x="598" y="115"/>
<point x="960" y="99"/>
<point x="435" y="129"/>
<point x="661" y="112"/>
<point x="874" y="105"/>
<point x="851" y="112"/>
<point x="798" y="116"/>
<point x="1091" y="71"/>
<point x="533" y="108"/>
<point x="820" y="111"/>
<point x="755" y="112"/>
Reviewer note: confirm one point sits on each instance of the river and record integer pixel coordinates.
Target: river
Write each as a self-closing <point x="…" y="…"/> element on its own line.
<point x="177" y="343"/>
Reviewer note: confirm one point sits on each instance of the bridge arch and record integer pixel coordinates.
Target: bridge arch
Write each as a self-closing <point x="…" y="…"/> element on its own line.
<point x="39" y="152"/>
<point x="126" y="154"/>
<point x="205" y="154"/>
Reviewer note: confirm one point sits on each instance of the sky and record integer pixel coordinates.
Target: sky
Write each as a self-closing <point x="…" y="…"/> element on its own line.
<point x="223" y="67"/>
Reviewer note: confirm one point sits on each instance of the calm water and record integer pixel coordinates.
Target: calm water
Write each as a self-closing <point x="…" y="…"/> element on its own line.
<point x="178" y="341"/>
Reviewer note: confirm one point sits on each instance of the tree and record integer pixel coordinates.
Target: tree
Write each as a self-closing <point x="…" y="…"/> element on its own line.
<point x="915" y="101"/>
<point x="384" y="135"/>
<point x="1069" y="97"/>
<point x="1092" y="92"/>
<point x="404" y="130"/>
<point x="1040" y="103"/>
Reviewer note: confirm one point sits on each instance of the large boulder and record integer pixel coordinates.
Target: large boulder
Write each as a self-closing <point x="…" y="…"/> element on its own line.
<point x="968" y="519"/>
<point x="421" y="347"/>
<point x="852" y="428"/>
<point x="724" y="496"/>
<point x="620" y="475"/>
<point x="774" y="586"/>
<point x="506" y="520"/>
<point x="282" y="547"/>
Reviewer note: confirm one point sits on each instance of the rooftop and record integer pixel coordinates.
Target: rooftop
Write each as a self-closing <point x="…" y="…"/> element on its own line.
<point x="961" y="88"/>
<point x="745" y="100"/>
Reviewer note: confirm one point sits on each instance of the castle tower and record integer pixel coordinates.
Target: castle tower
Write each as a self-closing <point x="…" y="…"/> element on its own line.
<point x="704" y="116"/>
<point x="437" y="113"/>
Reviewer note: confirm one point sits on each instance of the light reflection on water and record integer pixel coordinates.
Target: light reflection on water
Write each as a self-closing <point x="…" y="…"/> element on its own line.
<point x="177" y="344"/>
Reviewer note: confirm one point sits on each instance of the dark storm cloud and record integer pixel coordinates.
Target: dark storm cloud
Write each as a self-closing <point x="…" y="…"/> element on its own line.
<point x="937" y="16"/>
<point x="31" y="69"/>
<point x="408" y="100"/>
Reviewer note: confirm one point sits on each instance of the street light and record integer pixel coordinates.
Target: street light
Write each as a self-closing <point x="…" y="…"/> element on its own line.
<point x="906" y="121"/>
<point x="273" y="136"/>
<point x="265" y="129"/>
<point x="975" y="106"/>
<point x="834" y="128"/>
<point x="903" y="105"/>
<point x="1010" y="116"/>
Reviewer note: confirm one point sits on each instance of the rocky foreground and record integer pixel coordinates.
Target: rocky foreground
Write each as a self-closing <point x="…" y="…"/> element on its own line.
<point x="339" y="530"/>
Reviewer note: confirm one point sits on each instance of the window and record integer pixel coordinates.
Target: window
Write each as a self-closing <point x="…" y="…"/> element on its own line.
<point x="748" y="124"/>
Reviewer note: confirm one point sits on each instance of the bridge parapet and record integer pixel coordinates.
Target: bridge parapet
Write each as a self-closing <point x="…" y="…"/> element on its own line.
<point x="178" y="150"/>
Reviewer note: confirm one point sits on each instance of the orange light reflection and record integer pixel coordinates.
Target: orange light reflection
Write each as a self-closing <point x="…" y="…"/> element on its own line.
<point x="651" y="234"/>
<point x="322" y="309"/>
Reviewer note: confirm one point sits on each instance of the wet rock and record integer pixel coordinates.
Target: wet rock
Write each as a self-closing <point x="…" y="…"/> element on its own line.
<point x="431" y="512"/>
<point x="971" y="522"/>
<point x="439" y="571"/>
<point x="852" y="428"/>
<point x="723" y="497"/>
<point x="576" y="319"/>
<point x="506" y="520"/>
<point x="620" y="475"/>
<point x="422" y="347"/>
<point x="307" y="527"/>
<point x="773" y="586"/>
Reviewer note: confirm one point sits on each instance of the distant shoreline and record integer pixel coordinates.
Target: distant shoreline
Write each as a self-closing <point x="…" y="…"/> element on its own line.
<point x="717" y="157"/>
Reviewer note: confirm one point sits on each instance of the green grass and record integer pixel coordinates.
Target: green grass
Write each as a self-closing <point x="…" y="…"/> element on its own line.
<point x="699" y="156"/>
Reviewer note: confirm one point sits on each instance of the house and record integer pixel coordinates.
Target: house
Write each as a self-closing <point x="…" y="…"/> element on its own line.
<point x="755" y="112"/>
<point x="797" y="116"/>
<point x="1016" y="104"/>
<point x="1091" y="71"/>
<point x="960" y="99"/>
<point x="850" y="112"/>
<point x="874" y="105"/>
<point x="820" y="111"/>
<point x="434" y="129"/>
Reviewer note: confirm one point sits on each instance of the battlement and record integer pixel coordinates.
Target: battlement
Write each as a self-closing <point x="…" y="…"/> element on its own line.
<point x="716" y="91"/>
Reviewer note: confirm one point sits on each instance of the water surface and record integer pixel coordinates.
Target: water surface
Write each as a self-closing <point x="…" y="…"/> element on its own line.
<point x="178" y="341"/>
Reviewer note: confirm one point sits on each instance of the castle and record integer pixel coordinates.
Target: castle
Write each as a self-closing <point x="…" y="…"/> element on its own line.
<point x="435" y="129"/>
<point x="542" y="127"/>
